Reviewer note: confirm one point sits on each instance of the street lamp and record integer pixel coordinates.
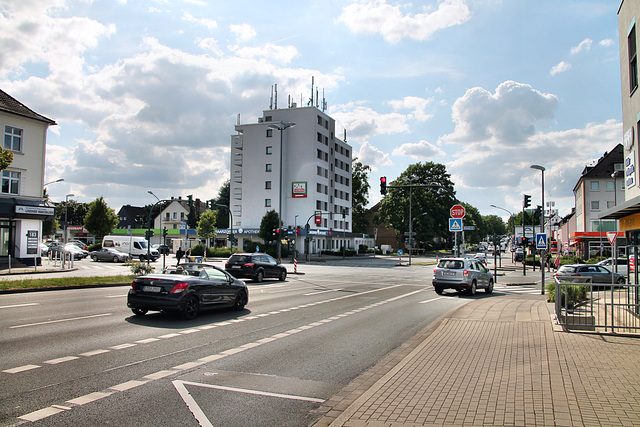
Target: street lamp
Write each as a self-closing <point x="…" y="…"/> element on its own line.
<point x="163" y="238"/>
<point x="281" y="127"/>
<point x="513" y="224"/>
<point x="66" y="208"/>
<point x="230" y="225"/>
<point x="53" y="182"/>
<point x="543" y="253"/>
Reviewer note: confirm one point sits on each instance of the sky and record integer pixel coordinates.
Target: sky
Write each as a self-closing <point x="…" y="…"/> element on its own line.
<point x="146" y="93"/>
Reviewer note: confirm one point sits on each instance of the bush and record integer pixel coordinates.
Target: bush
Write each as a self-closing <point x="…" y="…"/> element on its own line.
<point x="363" y="249"/>
<point x="575" y="294"/>
<point x="197" y="250"/>
<point x="94" y="247"/>
<point x="140" y="268"/>
<point x="218" y="252"/>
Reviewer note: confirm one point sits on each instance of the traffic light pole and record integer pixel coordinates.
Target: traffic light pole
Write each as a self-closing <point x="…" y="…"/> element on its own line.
<point x="149" y="233"/>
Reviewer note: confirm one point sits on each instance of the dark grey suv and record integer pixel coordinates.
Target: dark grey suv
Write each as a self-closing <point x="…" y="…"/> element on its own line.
<point x="255" y="266"/>
<point x="462" y="274"/>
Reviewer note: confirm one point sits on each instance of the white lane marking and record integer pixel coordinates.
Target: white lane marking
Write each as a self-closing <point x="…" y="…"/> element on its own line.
<point x="94" y="352"/>
<point x="40" y="414"/>
<point x="60" y="360"/>
<point x="127" y="385"/>
<point x="21" y="369"/>
<point x="431" y="300"/>
<point x="158" y="375"/>
<point x="192" y="405"/>
<point x="122" y="346"/>
<point x="61" y="320"/>
<point x="322" y="292"/>
<point x="116" y="296"/>
<point x="20" y="305"/>
<point x="88" y="398"/>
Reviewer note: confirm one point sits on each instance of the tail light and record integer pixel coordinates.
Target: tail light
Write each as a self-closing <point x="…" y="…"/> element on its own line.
<point x="133" y="284"/>
<point x="249" y="264"/>
<point x="434" y="270"/>
<point x="179" y="287"/>
<point x="226" y="264"/>
<point x="465" y="273"/>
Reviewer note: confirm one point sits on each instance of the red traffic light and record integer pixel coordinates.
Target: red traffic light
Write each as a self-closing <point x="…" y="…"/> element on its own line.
<point x="383" y="179"/>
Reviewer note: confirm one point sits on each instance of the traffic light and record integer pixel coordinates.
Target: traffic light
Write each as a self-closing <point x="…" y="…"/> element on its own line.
<point x="318" y="217"/>
<point x="164" y="232"/>
<point x="276" y="232"/>
<point x="148" y="234"/>
<point x="298" y="230"/>
<point x="527" y="201"/>
<point x="383" y="185"/>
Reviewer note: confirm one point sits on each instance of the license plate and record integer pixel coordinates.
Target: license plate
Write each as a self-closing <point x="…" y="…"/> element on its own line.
<point x="448" y="273"/>
<point x="151" y="289"/>
<point x="235" y="266"/>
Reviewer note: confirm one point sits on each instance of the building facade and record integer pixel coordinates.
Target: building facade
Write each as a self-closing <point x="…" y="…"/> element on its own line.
<point x="600" y="187"/>
<point x="291" y="161"/>
<point x="22" y="206"/>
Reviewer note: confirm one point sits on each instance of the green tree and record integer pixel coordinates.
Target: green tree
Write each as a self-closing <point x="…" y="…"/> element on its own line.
<point x="224" y="199"/>
<point x="360" y="195"/>
<point x="474" y="219"/>
<point x="6" y="157"/>
<point x="494" y="225"/>
<point x="206" y="228"/>
<point x="74" y="211"/>
<point x="268" y="223"/>
<point x="100" y="219"/>
<point x="430" y="204"/>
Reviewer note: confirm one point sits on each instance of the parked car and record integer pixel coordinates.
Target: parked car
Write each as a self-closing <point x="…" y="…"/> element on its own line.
<point x="255" y="266"/>
<point x="76" y="251"/>
<point x="622" y="263"/>
<point x="43" y="249"/>
<point x="592" y="273"/>
<point x="187" y="290"/>
<point x="58" y="251"/>
<point x="109" y="254"/>
<point x="463" y="275"/>
<point x="482" y="257"/>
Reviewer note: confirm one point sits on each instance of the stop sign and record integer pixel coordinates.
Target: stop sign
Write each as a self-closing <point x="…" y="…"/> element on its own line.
<point x="457" y="211"/>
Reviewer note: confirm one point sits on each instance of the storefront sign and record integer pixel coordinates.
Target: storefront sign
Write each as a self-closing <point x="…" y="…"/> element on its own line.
<point x="299" y="189"/>
<point x="35" y="210"/>
<point x="628" y="139"/>
<point x="32" y="242"/>
<point x="630" y="170"/>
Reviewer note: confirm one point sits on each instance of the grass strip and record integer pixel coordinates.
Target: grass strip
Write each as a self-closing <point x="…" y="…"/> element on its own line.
<point x="6" y="285"/>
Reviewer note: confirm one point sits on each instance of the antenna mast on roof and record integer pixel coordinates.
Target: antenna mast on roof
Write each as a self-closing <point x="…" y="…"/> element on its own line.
<point x="311" y="100"/>
<point x="324" y="102"/>
<point x="271" y="99"/>
<point x="276" y="103"/>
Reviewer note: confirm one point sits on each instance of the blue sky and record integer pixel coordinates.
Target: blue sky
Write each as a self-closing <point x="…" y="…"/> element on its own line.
<point x="146" y="93"/>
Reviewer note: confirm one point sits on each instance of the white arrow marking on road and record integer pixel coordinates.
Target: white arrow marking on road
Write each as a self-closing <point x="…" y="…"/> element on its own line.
<point x="202" y="418"/>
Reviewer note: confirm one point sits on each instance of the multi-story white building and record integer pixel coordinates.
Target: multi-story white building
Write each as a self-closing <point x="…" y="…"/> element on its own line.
<point x="22" y="207"/>
<point x="291" y="161"/>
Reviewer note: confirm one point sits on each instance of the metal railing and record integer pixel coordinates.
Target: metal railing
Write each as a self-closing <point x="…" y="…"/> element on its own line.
<point x="598" y="307"/>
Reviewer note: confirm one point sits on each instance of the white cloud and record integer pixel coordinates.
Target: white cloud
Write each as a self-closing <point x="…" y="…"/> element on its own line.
<point x="243" y="32"/>
<point x="561" y="67"/>
<point x="373" y="156"/>
<point x="283" y="54"/>
<point x="606" y="42"/>
<point x="377" y="16"/>
<point x="421" y="151"/>
<point x="416" y="104"/>
<point x="585" y="45"/>
<point x="507" y="117"/>
<point x="363" y="122"/>
<point x="205" y="22"/>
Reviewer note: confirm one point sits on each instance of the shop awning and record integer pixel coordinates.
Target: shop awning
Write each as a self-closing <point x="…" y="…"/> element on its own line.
<point x="25" y="208"/>
<point x="623" y="209"/>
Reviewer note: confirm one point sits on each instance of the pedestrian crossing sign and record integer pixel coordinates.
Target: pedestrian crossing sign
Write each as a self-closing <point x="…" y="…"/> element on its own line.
<point x="455" y="224"/>
<point x="541" y="241"/>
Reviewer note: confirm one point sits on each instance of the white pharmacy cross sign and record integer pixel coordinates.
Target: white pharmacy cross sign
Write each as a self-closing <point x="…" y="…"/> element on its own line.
<point x="455" y="224"/>
<point x="541" y="241"/>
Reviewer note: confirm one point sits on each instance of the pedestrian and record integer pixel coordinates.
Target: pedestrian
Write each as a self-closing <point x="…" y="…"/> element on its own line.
<point x="188" y="255"/>
<point x="179" y="254"/>
<point x="556" y="264"/>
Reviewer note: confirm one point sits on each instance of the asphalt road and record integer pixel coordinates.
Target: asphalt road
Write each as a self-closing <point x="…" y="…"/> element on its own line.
<point x="79" y="357"/>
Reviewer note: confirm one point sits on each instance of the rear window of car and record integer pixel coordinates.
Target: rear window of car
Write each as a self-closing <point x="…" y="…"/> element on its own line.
<point x="566" y="270"/>
<point x="453" y="264"/>
<point x="240" y="258"/>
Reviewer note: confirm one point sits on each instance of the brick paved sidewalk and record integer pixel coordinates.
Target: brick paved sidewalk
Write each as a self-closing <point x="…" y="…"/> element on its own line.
<point x="498" y="362"/>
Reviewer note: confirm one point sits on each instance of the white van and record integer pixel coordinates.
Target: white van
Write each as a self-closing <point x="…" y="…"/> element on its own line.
<point x="134" y="246"/>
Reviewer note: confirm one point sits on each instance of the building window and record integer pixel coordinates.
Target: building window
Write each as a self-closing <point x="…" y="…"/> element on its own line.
<point x="182" y="216"/>
<point x="175" y="215"/>
<point x="12" y="139"/>
<point x="267" y="185"/>
<point x="610" y="204"/>
<point x="595" y="205"/>
<point x="267" y="203"/>
<point x="268" y="167"/>
<point x="611" y="185"/>
<point x="269" y="150"/>
<point x="595" y="185"/>
<point x="268" y="118"/>
<point x="269" y="133"/>
<point x="633" y="60"/>
<point x="10" y="182"/>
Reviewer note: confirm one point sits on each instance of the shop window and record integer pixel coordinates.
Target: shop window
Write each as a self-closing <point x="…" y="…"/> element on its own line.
<point x="13" y="139"/>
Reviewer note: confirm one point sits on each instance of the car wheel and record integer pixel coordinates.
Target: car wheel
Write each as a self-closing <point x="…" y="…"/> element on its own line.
<point x="259" y="276"/>
<point x="191" y="308"/>
<point x="283" y="275"/>
<point x="115" y="259"/>
<point x="438" y="290"/>
<point x="489" y="287"/>
<point x="95" y="258"/>
<point x="139" y="311"/>
<point x="620" y="281"/>
<point x="473" y="288"/>
<point x="141" y="258"/>
<point x="241" y="300"/>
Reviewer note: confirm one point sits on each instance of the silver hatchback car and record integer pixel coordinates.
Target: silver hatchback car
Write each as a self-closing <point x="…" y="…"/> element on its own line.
<point x="462" y="274"/>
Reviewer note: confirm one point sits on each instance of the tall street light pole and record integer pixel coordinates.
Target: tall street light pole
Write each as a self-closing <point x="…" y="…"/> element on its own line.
<point x="513" y="224"/>
<point x="543" y="253"/>
<point x="281" y="127"/>
<point x="163" y="237"/>
<point x="66" y="209"/>
<point x="230" y="225"/>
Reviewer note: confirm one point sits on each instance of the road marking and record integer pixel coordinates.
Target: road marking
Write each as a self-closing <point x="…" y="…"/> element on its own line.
<point x="60" y="360"/>
<point x="59" y="321"/>
<point x="21" y="369"/>
<point x="40" y="414"/>
<point x="127" y="385"/>
<point x="88" y="398"/>
<point x="94" y="352"/>
<point x="431" y="300"/>
<point x="20" y="305"/>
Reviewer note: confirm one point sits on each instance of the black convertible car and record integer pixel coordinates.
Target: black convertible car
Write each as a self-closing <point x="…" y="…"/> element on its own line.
<point x="187" y="289"/>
